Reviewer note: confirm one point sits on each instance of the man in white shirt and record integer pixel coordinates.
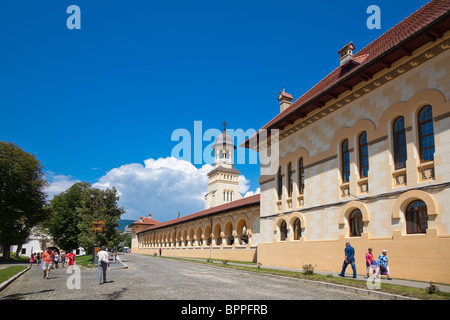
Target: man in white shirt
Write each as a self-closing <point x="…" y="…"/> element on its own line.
<point x="102" y="263"/>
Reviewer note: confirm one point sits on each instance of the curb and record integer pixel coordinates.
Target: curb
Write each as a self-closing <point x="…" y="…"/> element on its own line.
<point x="6" y="283"/>
<point x="373" y="293"/>
<point x="118" y="268"/>
<point x="124" y="266"/>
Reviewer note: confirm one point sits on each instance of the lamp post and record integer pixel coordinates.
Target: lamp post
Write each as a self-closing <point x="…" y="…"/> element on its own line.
<point x="97" y="202"/>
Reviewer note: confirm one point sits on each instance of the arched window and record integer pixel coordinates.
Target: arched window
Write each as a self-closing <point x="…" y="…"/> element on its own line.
<point x="356" y="223"/>
<point x="280" y="184"/>
<point x="416" y="217"/>
<point x="426" y="134"/>
<point x="231" y="195"/>
<point x="399" y="143"/>
<point x="297" y="229"/>
<point x="363" y="155"/>
<point x="345" y="154"/>
<point x="301" y="177"/>
<point x="283" y="231"/>
<point x="290" y="180"/>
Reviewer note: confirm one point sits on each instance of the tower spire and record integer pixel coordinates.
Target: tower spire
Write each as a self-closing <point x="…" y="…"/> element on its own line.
<point x="225" y="125"/>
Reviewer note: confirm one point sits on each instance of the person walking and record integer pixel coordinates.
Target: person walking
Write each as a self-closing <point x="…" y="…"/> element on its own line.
<point x="56" y="260"/>
<point x="102" y="264"/>
<point x="349" y="253"/>
<point x="383" y="262"/>
<point x="63" y="258"/>
<point x="31" y="261"/>
<point x="370" y="262"/>
<point x="114" y="253"/>
<point x="47" y="257"/>
<point x="70" y="259"/>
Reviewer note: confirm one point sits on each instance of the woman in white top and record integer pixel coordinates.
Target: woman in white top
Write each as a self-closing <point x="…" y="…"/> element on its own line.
<point x="102" y="263"/>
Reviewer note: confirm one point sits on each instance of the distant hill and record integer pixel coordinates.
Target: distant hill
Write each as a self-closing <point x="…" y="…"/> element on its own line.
<point x="123" y="224"/>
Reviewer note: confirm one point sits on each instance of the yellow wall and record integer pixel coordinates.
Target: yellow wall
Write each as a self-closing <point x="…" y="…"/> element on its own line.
<point x="239" y="253"/>
<point x="401" y="90"/>
<point x="420" y="257"/>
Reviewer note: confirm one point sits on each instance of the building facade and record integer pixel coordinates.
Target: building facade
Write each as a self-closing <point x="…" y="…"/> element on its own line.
<point x="227" y="229"/>
<point x="365" y="158"/>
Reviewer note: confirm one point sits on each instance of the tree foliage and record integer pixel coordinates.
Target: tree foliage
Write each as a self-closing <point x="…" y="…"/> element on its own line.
<point x="74" y="211"/>
<point x="22" y="196"/>
<point x="64" y="223"/>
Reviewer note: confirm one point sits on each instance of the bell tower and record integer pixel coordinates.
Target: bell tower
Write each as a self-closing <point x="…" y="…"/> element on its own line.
<point x="223" y="185"/>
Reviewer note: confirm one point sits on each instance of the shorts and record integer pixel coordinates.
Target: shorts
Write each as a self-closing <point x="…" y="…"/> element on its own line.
<point x="46" y="266"/>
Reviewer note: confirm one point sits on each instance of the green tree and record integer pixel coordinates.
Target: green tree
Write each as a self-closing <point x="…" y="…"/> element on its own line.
<point x="75" y="209"/>
<point x="102" y="205"/>
<point x="22" y="196"/>
<point x="64" y="223"/>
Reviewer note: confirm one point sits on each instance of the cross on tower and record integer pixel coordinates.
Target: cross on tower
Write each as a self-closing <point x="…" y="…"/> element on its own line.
<point x="224" y="124"/>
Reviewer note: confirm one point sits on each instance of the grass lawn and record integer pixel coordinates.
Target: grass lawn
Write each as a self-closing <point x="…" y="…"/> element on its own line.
<point x="84" y="261"/>
<point x="9" y="272"/>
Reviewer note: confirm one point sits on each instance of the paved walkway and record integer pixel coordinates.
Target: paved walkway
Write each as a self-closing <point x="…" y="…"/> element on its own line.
<point x="401" y="282"/>
<point x="118" y="264"/>
<point x="154" y="278"/>
<point x="140" y="277"/>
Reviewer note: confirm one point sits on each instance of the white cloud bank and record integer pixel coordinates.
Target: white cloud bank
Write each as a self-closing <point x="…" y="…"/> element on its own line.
<point x="161" y="187"/>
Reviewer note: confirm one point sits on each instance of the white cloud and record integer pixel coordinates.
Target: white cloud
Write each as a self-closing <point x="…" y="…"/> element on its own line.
<point x="58" y="183"/>
<point x="244" y="184"/>
<point x="251" y="193"/>
<point x="161" y="187"/>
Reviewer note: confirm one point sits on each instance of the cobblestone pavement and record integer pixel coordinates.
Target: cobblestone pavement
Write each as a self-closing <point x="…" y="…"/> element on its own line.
<point x="165" y="279"/>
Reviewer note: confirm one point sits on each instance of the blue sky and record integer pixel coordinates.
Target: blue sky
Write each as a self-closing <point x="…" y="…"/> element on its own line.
<point x="109" y="96"/>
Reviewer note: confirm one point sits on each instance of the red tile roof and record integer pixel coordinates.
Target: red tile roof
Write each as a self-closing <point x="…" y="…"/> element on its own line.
<point x="145" y="221"/>
<point x="244" y="202"/>
<point x="413" y="24"/>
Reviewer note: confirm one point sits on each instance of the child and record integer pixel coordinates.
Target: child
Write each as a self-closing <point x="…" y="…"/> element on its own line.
<point x="63" y="258"/>
<point x="70" y="259"/>
<point x="31" y="261"/>
<point x="55" y="261"/>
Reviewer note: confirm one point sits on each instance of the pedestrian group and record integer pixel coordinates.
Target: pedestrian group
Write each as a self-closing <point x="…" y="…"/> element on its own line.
<point x="382" y="264"/>
<point x="52" y="259"/>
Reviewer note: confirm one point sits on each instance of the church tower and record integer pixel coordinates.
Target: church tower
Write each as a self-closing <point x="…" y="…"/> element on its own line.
<point x="223" y="185"/>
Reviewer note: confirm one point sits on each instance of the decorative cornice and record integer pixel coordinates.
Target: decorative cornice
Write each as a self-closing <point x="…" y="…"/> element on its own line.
<point x="377" y="83"/>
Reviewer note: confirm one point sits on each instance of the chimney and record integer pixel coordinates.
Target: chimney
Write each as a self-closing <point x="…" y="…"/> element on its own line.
<point x="285" y="100"/>
<point x="346" y="53"/>
<point x="141" y="218"/>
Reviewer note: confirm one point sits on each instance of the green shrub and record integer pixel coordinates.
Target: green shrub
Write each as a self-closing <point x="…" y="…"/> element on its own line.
<point x="308" y="269"/>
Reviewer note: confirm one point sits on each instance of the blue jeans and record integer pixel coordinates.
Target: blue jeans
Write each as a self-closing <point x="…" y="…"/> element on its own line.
<point x="344" y="266"/>
<point x="101" y="269"/>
